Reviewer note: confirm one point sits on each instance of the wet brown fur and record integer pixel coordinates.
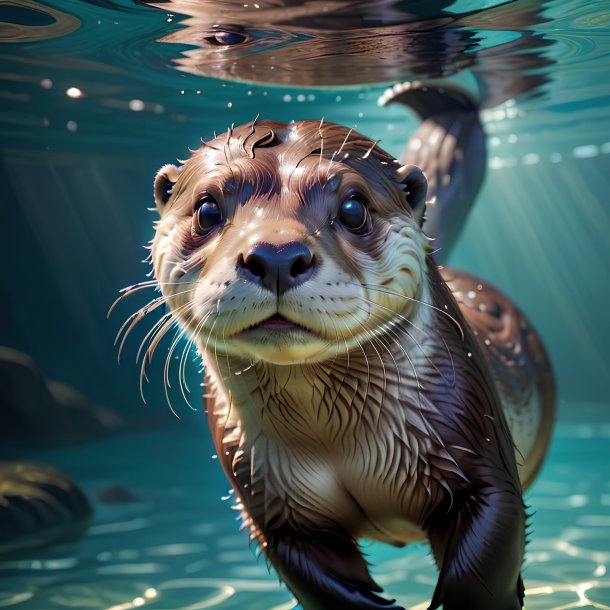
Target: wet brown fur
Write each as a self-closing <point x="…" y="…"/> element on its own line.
<point x="389" y="417"/>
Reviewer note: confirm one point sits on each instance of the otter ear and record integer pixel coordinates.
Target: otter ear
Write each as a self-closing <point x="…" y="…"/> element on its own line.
<point x="416" y="190"/>
<point x="164" y="183"/>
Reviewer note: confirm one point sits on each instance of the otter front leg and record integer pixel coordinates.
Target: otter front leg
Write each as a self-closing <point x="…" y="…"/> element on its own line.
<point x="479" y="548"/>
<point x="325" y="571"/>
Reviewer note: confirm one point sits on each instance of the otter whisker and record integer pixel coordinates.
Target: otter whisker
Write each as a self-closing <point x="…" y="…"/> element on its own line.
<point x="159" y="334"/>
<point x="417" y="343"/>
<point x="159" y="331"/>
<point x="431" y="432"/>
<point x="129" y="290"/>
<point x="156" y="327"/>
<point x="133" y="320"/>
<point x="193" y="335"/>
<point x="321" y="151"/>
<point x="166" y="381"/>
<point x="333" y="400"/>
<point x="164" y="319"/>
<point x="224" y="330"/>
<point x="159" y="325"/>
<point x="336" y="153"/>
<point x="205" y="349"/>
<point x="368" y="370"/>
<point x="152" y="340"/>
<point x="407" y="355"/>
<point x="124" y="292"/>
<point x="137" y="316"/>
<point x="184" y="388"/>
<point x="372" y="340"/>
<point x="370" y="150"/>
<point x="182" y="382"/>
<point x="177" y="337"/>
<point x="413" y="299"/>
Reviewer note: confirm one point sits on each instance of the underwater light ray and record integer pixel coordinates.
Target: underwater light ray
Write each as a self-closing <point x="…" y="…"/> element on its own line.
<point x="521" y="223"/>
<point x="572" y="250"/>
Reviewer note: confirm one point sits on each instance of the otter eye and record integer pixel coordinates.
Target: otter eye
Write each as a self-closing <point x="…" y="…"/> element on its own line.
<point x="353" y="214"/>
<point x="207" y="214"/>
<point x="226" y="38"/>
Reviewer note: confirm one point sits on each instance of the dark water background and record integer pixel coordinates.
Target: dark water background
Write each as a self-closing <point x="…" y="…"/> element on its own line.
<point x="76" y="174"/>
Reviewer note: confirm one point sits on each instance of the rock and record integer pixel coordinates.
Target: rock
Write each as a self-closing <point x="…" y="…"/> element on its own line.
<point x="39" y="506"/>
<point x="41" y="413"/>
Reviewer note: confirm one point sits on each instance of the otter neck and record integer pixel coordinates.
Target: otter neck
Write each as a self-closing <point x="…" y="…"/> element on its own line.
<point x="319" y="403"/>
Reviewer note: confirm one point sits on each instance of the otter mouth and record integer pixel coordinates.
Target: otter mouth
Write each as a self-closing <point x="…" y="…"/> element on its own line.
<point x="277" y="322"/>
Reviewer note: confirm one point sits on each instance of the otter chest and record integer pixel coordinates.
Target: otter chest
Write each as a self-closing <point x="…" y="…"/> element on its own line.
<point x="365" y="487"/>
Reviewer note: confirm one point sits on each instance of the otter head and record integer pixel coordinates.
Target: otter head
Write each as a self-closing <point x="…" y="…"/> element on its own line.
<point x="289" y="243"/>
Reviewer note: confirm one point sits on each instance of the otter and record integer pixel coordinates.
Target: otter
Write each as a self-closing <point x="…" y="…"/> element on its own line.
<point x="354" y="390"/>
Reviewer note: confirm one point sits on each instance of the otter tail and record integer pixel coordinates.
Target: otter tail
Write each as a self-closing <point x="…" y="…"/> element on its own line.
<point x="449" y="146"/>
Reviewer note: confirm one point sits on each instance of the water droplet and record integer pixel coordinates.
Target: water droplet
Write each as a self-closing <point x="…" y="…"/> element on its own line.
<point x="46" y="83"/>
<point x="585" y="152"/>
<point x="531" y="159"/>
<point x="136" y="105"/>
<point x="74" y="92"/>
<point x="151" y="593"/>
<point x="71" y="126"/>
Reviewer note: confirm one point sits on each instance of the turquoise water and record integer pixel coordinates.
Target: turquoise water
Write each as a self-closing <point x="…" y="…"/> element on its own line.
<point x="180" y="546"/>
<point x="76" y="170"/>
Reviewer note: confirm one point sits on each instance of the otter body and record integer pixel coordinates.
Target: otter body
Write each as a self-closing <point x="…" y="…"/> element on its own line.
<point x="348" y="393"/>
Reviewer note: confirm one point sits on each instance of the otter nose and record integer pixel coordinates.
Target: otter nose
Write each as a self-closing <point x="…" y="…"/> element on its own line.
<point x="277" y="267"/>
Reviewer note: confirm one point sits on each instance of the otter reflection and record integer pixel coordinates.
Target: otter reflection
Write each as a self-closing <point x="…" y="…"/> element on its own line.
<point x="346" y="43"/>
